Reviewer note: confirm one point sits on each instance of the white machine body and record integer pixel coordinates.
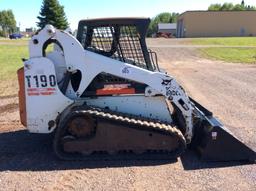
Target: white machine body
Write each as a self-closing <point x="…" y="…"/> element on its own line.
<point x="44" y="74"/>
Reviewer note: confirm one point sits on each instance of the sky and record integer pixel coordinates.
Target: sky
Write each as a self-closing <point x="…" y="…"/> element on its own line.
<point x="26" y="11"/>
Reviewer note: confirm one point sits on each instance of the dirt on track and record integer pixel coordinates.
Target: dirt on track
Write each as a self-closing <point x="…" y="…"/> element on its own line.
<point x="27" y="161"/>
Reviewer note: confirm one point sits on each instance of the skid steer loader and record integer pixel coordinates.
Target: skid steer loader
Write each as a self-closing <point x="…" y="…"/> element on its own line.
<point x="104" y="96"/>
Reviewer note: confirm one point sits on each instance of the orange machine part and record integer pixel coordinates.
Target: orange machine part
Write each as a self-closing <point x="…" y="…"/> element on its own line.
<point x="112" y="91"/>
<point x="22" y="97"/>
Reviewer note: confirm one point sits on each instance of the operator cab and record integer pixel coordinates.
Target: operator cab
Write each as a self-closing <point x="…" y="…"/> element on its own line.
<point x="122" y="39"/>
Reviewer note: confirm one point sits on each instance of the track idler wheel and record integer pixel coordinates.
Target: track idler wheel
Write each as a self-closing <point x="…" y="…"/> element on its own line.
<point x="82" y="126"/>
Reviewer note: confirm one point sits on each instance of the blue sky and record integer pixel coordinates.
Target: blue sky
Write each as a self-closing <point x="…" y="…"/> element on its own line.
<point x="26" y="11"/>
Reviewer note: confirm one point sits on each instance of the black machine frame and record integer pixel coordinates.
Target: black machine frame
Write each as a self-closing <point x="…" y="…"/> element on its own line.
<point x="119" y="38"/>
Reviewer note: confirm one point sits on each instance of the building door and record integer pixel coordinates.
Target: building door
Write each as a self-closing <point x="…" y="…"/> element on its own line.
<point x="180" y="32"/>
<point x="242" y="32"/>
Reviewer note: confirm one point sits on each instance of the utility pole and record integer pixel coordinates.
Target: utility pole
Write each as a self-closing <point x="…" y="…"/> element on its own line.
<point x="19" y="27"/>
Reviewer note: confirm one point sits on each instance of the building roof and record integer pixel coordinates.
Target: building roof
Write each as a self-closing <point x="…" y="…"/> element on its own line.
<point x="167" y="26"/>
<point x="202" y="11"/>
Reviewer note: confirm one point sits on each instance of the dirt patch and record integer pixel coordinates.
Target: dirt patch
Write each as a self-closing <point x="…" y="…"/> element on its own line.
<point x="8" y="96"/>
<point x="9" y="112"/>
<point x="9" y="108"/>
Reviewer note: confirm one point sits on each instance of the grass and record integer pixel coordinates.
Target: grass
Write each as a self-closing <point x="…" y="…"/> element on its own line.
<point x="225" y="41"/>
<point x="23" y="41"/>
<point x="10" y="62"/>
<point x="244" y="50"/>
<point x="235" y="55"/>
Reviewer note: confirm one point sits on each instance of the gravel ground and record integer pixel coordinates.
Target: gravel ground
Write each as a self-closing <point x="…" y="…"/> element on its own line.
<point x="27" y="161"/>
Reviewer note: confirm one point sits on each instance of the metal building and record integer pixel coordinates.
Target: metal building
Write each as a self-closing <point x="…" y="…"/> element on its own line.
<point x="216" y="24"/>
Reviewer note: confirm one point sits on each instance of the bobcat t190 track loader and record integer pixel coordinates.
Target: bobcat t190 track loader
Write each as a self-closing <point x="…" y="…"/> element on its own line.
<point x="103" y="96"/>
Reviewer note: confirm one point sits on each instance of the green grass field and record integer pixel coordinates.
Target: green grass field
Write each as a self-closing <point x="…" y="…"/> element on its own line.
<point x="11" y="53"/>
<point x="22" y="41"/>
<point x="227" y="41"/>
<point x="235" y="55"/>
<point x="10" y="59"/>
<point x="245" y="53"/>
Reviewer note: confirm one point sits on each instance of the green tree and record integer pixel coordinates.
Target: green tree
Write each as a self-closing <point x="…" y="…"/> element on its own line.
<point x="7" y="22"/>
<point x="174" y="17"/>
<point x="239" y="7"/>
<point x="231" y="7"/>
<point x="227" y="7"/>
<point x="250" y="8"/>
<point x="242" y="3"/>
<point x="161" y="18"/>
<point x="52" y="13"/>
<point x="214" y="7"/>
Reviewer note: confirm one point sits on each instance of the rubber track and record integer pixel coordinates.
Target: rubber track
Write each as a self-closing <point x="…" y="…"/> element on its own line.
<point x="131" y="122"/>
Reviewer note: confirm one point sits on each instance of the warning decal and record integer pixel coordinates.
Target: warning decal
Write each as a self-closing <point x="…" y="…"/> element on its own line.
<point x="41" y="91"/>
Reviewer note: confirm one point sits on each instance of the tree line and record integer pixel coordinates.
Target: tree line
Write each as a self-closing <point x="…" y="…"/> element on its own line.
<point x="231" y="7"/>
